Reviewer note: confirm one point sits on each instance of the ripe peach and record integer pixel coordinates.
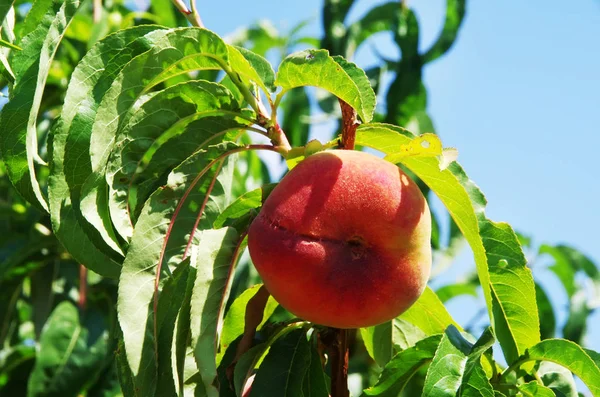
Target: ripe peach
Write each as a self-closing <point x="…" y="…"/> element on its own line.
<point x="343" y="240"/>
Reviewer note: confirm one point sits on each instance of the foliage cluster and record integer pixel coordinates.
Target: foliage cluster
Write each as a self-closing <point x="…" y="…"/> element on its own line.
<point x="132" y="144"/>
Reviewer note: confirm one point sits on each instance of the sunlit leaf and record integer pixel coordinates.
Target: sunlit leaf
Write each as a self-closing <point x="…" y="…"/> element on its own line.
<point x="501" y="265"/>
<point x="18" y="119"/>
<point x="403" y="366"/>
<point x="71" y="140"/>
<point x="583" y="363"/>
<point x="334" y="74"/>
<point x="214" y="259"/>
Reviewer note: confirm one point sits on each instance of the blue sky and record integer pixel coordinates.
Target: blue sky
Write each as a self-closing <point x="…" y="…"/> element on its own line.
<point x="518" y="95"/>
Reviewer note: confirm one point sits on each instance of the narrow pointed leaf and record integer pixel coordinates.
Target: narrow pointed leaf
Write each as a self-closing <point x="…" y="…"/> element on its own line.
<point x="18" y="132"/>
<point x="159" y="137"/>
<point x="214" y="259"/>
<point x="182" y="50"/>
<point x="284" y="368"/>
<point x="70" y="145"/>
<point x="162" y="239"/>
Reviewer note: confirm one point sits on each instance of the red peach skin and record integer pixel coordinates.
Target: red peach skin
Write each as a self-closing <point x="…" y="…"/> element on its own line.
<point x="344" y="240"/>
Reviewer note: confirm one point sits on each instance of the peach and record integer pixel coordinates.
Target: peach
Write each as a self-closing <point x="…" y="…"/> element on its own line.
<point x="343" y="240"/>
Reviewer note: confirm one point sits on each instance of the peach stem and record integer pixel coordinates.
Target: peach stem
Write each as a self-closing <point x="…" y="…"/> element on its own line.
<point x="336" y="341"/>
<point x="349" y="126"/>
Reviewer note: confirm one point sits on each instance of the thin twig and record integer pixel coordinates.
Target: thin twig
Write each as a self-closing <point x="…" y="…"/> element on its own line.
<point x="97" y="11"/>
<point x="196" y="15"/>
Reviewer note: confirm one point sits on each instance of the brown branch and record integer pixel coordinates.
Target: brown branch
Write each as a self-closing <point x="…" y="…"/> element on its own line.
<point x="83" y="273"/>
<point x="336" y="341"/>
<point x="349" y="126"/>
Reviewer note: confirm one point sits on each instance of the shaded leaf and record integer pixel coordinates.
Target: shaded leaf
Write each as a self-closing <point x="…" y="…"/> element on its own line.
<point x="283" y="370"/>
<point x="70" y="352"/>
<point x="558" y="378"/>
<point x="534" y="389"/>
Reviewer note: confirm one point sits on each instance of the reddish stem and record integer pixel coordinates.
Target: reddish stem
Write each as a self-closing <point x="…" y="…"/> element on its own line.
<point x="202" y="207"/>
<point x="336" y="341"/>
<point x="83" y="272"/>
<point x="349" y="126"/>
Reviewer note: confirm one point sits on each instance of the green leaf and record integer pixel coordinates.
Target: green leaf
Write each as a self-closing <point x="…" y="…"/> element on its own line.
<point x="579" y="311"/>
<point x="558" y="379"/>
<point x="70" y="164"/>
<point x="72" y="350"/>
<point x="164" y="234"/>
<point x="545" y="312"/>
<point x="256" y="68"/>
<point x="334" y="74"/>
<point x="429" y="314"/>
<point x="183" y="50"/>
<point x="534" y="389"/>
<point x="243" y="206"/>
<point x="283" y="370"/>
<point x="511" y="284"/>
<point x="214" y="260"/>
<point x="252" y="359"/>
<point x="568" y="262"/>
<point x="501" y="265"/>
<point x="18" y="132"/>
<point x="403" y="366"/>
<point x="170" y="301"/>
<point x="233" y="324"/>
<point x="245" y="366"/>
<point x="157" y="138"/>
<point x="456" y="363"/>
<point x="15" y="368"/>
<point x="476" y="383"/>
<point x="450" y="291"/>
<point x="583" y="363"/>
<point x="455" y="13"/>
<point x="315" y="380"/>
<point x="385" y="340"/>
<point x="5" y="8"/>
